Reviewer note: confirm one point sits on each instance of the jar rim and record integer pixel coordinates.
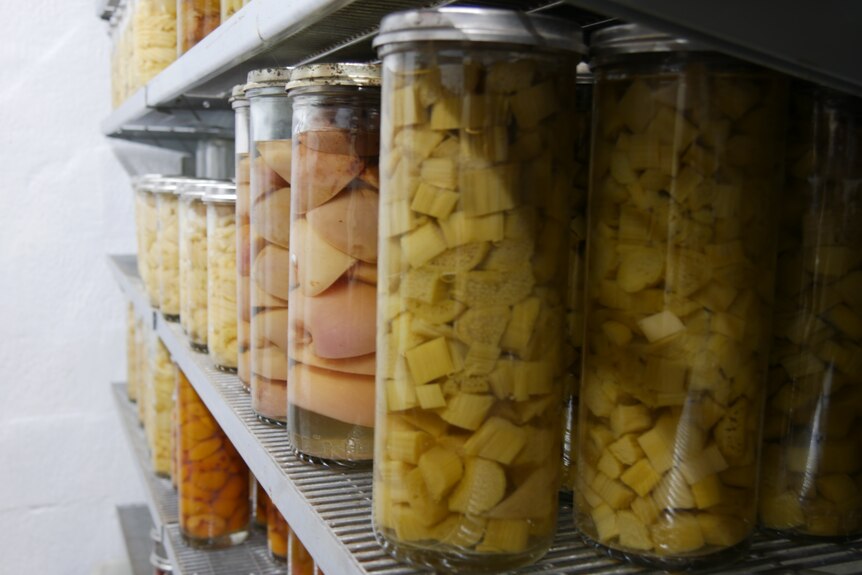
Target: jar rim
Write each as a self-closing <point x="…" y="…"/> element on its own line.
<point x="267" y="78"/>
<point x="345" y="74"/>
<point x="639" y="39"/>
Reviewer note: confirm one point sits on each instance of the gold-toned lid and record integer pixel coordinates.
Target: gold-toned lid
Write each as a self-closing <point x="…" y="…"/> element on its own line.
<point x="341" y="74"/>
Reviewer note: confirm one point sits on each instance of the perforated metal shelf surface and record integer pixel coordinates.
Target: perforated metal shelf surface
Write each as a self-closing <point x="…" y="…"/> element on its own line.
<point x="330" y="510"/>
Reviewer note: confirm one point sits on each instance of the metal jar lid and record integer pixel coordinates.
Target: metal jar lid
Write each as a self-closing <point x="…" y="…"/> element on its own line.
<point x="194" y="188"/>
<point x="479" y="25"/>
<point x="220" y="193"/>
<point x="267" y="78"/>
<point x="638" y="39"/>
<point x="342" y="74"/>
<point x="144" y="182"/>
<point x="237" y="96"/>
<point x="169" y="184"/>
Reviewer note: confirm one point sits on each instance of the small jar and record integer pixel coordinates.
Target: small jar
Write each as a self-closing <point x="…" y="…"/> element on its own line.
<point x="155" y="37"/>
<point x="333" y="252"/>
<point x="269" y="237"/>
<point x="477" y="170"/>
<point x="147" y="217"/>
<point x="260" y="503"/>
<point x="231" y="7"/>
<point x="276" y="533"/>
<point x="195" y="20"/>
<point x="158" y="422"/>
<point x="685" y="173"/>
<point x="133" y="374"/>
<point x="300" y="561"/>
<point x="214" y="480"/>
<point x="167" y="247"/>
<point x="220" y="200"/>
<point x="193" y="263"/>
<point x="243" y="248"/>
<point x="811" y="479"/>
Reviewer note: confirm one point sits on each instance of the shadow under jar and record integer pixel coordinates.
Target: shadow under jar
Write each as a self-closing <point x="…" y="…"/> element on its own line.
<point x="811" y="484"/>
<point x="243" y="248"/>
<point x="220" y="200"/>
<point x="269" y="240"/>
<point x="333" y="254"/>
<point x="685" y="172"/>
<point x="477" y="170"/>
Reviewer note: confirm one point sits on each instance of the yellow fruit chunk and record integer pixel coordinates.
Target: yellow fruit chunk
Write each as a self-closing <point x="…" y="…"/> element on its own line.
<point x="633" y="533"/>
<point x="730" y="432"/>
<point x="441" y="470"/>
<point x="721" y="530"/>
<point x="418" y="142"/>
<point x="639" y="269"/>
<point x="429" y="361"/>
<point x="481" y="358"/>
<point x="673" y="492"/>
<point x="400" y="394"/>
<point x="658" y="443"/>
<point x="610" y="465"/>
<point x="430" y="509"/>
<point x="687" y="272"/>
<point x="422" y="244"/>
<point x="646" y="510"/>
<point x="463" y="531"/>
<point x="637" y="106"/>
<point x="703" y="464"/>
<point x="481" y="488"/>
<point x="617" y="333"/>
<point x="407" y="109"/>
<point x="521" y="324"/>
<point x="497" y="439"/>
<point x="845" y="320"/>
<point x="781" y="511"/>
<point x="423" y="285"/>
<point x="641" y="477"/>
<point x="605" y="520"/>
<point x="430" y="396"/>
<point x="660" y="326"/>
<point x="532" y="105"/>
<point x="434" y="201"/>
<point x="505" y="536"/>
<point x="467" y="410"/>
<point x="626" y="448"/>
<point x="630" y="418"/>
<point x="482" y="325"/>
<point x="489" y="190"/>
<point x="707" y="492"/>
<point x="446" y="113"/>
<point x="533" y="499"/>
<point x="612" y="491"/>
<point x="407" y="446"/>
<point x="838" y="488"/>
<point x="439" y="173"/>
<point x="460" y="229"/>
<point x="677" y="533"/>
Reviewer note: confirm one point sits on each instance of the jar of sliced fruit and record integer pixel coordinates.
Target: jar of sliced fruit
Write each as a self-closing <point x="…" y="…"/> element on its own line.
<point x="684" y="180"/>
<point x="269" y="239"/>
<point x="477" y="174"/>
<point x="333" y="251"/>
<point x="811" y="484"/>
<point x="243" y="251"/>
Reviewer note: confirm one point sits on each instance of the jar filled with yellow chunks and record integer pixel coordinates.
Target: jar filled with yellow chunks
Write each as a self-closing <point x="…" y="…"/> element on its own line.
<point x="242" y="169"/>
<point x="143" y="336"/>
<point x="193" y="263"/>
<point x="147" y="224"/>
<point x="231" y="7"/>
<point x="276" y="533"/>
<point x="269" y="239"/>
<point x="195" y="20"/>
<point x="685" y="170"/>
<point x="333" y="252"/>
<point x="133" y="374"/>
<point x="159" y="403"/>
<point x="220" y="200"/>
<point x="811" y="482"/>
<point x="155" y="37"/>
<point x="478" y="136"/>
<point x="213" y="489"/>
<point x="167" y="246"/>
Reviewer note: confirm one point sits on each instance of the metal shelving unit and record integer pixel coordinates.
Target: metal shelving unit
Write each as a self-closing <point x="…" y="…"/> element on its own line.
<point x="136" y="524"/>
<point x="330" y="510"/>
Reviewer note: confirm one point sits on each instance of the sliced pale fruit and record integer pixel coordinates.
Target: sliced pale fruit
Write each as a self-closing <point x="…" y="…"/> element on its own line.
<point x="481" y="488"/>
<point x="271" y="217"/>
<point x="271" y="271"/>
<point x="276" y="155"/>
<point x="269" y="362"/>
<point x="341" y="142"/>
<point x="319" y="176"/>
<point x="348" y="222"/>
<point x="305" y="353"/>
<point x="441" y="469"/>
<point x="318" y="264"/>
<point x="341" y="320"/>
<point x="270" y="326"/>
<point x="325" y="391"/>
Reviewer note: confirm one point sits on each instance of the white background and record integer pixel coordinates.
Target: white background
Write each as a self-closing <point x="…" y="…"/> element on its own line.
<point x="65" y="203"/>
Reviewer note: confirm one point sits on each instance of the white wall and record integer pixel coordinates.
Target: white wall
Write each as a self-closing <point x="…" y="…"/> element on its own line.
<point x="64" y="203"/>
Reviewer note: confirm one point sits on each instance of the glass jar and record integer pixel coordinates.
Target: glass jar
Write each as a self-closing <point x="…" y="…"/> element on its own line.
<point x="174" y="452"/>
<point x="158" y="410"/>
<point x="243" y="252"/>
<point x="144" y="333"/>
<point x="269" y="237"/>
<point x="133" y="374"/>
<point x="231" y="7"/>
<point x="155" y="37"/>
<point x="220" y="200"/>
<point x="811" y="484"/>
<point x="276" y="533"/>
<point x="685" y="172"/>
<point x="333" y="229"/>
<point x="147" y="219"/>
<point x="195" y="20"/>
<point x="477" y="106"/>
<point x="300" y="561"/>
<point x="261" y="504"/>
<point x="193" y="263"/>
<point x="214" y="480"/>
<point x="167" y="247"/>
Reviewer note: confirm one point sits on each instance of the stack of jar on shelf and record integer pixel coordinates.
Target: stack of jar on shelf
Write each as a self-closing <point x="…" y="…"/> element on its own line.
<point x="496" y="277"/>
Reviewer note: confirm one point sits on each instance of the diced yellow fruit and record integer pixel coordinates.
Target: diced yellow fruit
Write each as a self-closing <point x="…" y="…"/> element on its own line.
<point x="422" y="244"/>
<point x="660" y="326"/>
<point x="521" y="324"/>
<point x="407" y="446"/>
<point x="438" y="313"/>
<point x="673" y="492"/>
<point x="603" y="437"/>
<point x="646" y="510"/>
<point x="617" y="333"/>
<point x="440" y="173"/>
<point x="497" y="439"/>
<point x="462" y="531"/>
<point x="781" y="511"/>
<point x="448" y="148"/>
<point x="687" y="272"/>
<point x="630" y="418"/>
<point x="489" y="145"/>
<point x="633" y="533"/>
<point x="612" y="491"/>
<point x="417" y="142"/>
<point x="459" y="229"/>
<point x="467" y="410"/>
<point x="729" y="325"/>
<point x="640" y="269"/>
<point x="407" y="108"/>
<point x="482" y="325"/>
<point x="621" y="168"/>
<point x="424" y="285"/>
<point x="501" y="381"/>
<point x="722" y="530"/>
<point x="703" y="464"/>
<point x="605" y="520"/>
<point x="429" y="361"/>
<point x="677" y="533"/>
<point x="531" y="378"/>
<point x="481" y="358"/>
<point x="427" y="422"/>
<point x="845" y="320"/>
<point x="637" y="106"/>
<point x="446" y="113"/>
<point x="685" y="183"/>
<point x="441" y="470"/>
<point x="707" y="492"/>
<point x="400" y="394"/>
<point x="527" y="410"/>
<point x="434" y="201"/>
<point x="730" y="432"/>
<point x="610" y="465"/>
<point x="409" y="524"/>
<point x="641" y="477"/>
<point x="830" y="261"/>
<point x="462" y="258"/>
<point x="533" y="499"/>
<point x="430" y="510"/>
<point x="543" y="444"/>
<point x="626" y="448"/>
<point x="533" y="104"/>
<point x="505" y="536"/>
<point x="430" y="396"/>
<point x="594" y="397"/>
<point x="392" y="472"/>
<point x="481" y="488"/>
<point x="838" y="488"/>
<point x="489" y="190"/>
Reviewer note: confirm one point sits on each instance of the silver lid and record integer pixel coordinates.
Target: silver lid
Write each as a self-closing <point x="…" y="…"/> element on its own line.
<point x="216" y="192"/>
<point x="480" y="25"/>
<point x="237" y="95"/>
<point x="267" y="78"/>
<point x="195" y="188"/>
<point x="144" y="182"/>
<point x="343" y="74"/>
<point x="168" y="184"/>
<point x="638" y="39"/>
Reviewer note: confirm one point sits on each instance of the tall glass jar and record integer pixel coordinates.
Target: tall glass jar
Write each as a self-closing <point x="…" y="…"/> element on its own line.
<point x="269" y="240"/>
<point x="158" y="411"/>
<point x="276" y="533"/>
<point x="155" y="37"/>
<point x="243" y="247"/>
<point x="811" y="483"/>
<point x="167" y="247"/>
<point x="147" y="220"/>
<point x="195" y="20"/>
<point x="174" y="452"/>
<point x="133" y="374"/>
<point x="193" y="263"/>
<point x="214" y="480"/>
<point x="478" y="108"/>
<point x="333" y="252"/>
<point x="686" y="166"/>
<point x="220" y="200"/>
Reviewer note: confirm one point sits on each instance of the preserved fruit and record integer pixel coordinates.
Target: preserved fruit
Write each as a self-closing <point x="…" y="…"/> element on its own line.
<point x="221" y="275"/>
<point x="243" y="240"/>
<point x="193" y="264"/>
<point x="195" y="20"/>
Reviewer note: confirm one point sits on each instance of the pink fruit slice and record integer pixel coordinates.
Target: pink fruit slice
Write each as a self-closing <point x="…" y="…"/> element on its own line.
<point x="271" y="217"/>
<point x="318" y="264"/>
<point x="319" y="176"/>
<point x="349" y="222"/>
<point x="276" y="155"/>
<point x="345" y="397"/>
<point x="271" y="271"/>
<point x="305" y="353"/>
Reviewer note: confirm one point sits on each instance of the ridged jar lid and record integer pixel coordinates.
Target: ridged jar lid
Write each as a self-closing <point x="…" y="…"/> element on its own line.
<point x="195" y="188"/>
<point x="489" y="25"/>
<point x="342" y="74"/>
<point x="169" y="184"/>
<point x="144" y="182"/>
<point x="217" y="192"/>
<point x="267" y="78"/>
<point x="237" y="95"/>
<point x="638" y="39"/>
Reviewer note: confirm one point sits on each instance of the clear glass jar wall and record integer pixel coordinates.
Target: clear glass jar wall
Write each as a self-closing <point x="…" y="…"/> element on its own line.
<point x="214" y="480"/>
<point x="195" y="20"/>
<point x="167" y="248"/>
<point x="243" y="240"/>
<point x="300" y="561"/>
<point x="221" y="276"/>
<point x="270" y="120"/>
<point x="261" y="504"/>
<point x="144" y="333"/>
<point x="147" y="216"/>
<point x="333" y="249"/>
<point x="686" y="164"/>
<point x="155" y="38"/>
<point x="812" y="465"/>
<point x="193" y="264"/>
<point x="471" y="314"/>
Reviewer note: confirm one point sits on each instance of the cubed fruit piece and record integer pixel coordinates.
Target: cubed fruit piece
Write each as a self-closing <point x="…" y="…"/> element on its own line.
<point x="439" y="173"/>
<point x="673" y="492"/>
<point x="533" y="104"/>
<point x="658" y="443"/>
<point x="707" y="492"/>
<point x="640" y="269"/>
<point x="630" y="418"/>
<point x="407" y="108"/>
<point x="660" y="326"/>
<point x="467" y="410"/>
<point x="430" y="510"/>
<point x="489" y="190"/>
<point x="497" y="439"/>
<point x="594" y="397"/>
<point x="407" y="446"/>
<point x="430" y="396"/>
<point x="637" y="106"/>
<point x="641" y="477"/>
<point x="446" y="113"/>
<point x="633" y="533"/>
<point x="481" y="488"/>
<point x="626" y="448"/>
<point x="434" y="201"/>
<point x="533" y="499"/>
<point x="462" y="531"/>
<point x="481" y="358"/>
<point x="531" y="378"/>
<point x="483" y="324"/>
<point x="646" y="509"/>
<point x="429" y="361"/>
<point x="441" y="470"/>
<point x="838" y="488"/>
<point x="703" y="464"/>
<point x="730" y="432"/>
<point x="400" y="394"/>
<point x="605" y="520"/>
<point x="677" y="533"/>
<point x="422" y="244"/>
<point x="781" y="511"/>
<point x="610" y="465"/>
<point x="722" y="530"/>
<point x="845" y="320"/>
<point x="459" y="229"/>
<point x="505" y="536"/>
<point x="418" y="142"/>
<point x="617" y="333"/>
<point x="424" y="285"/>
<point x="687" y="272"/>
<point x="521" y="324"/>
<point x="612" y="491"/>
